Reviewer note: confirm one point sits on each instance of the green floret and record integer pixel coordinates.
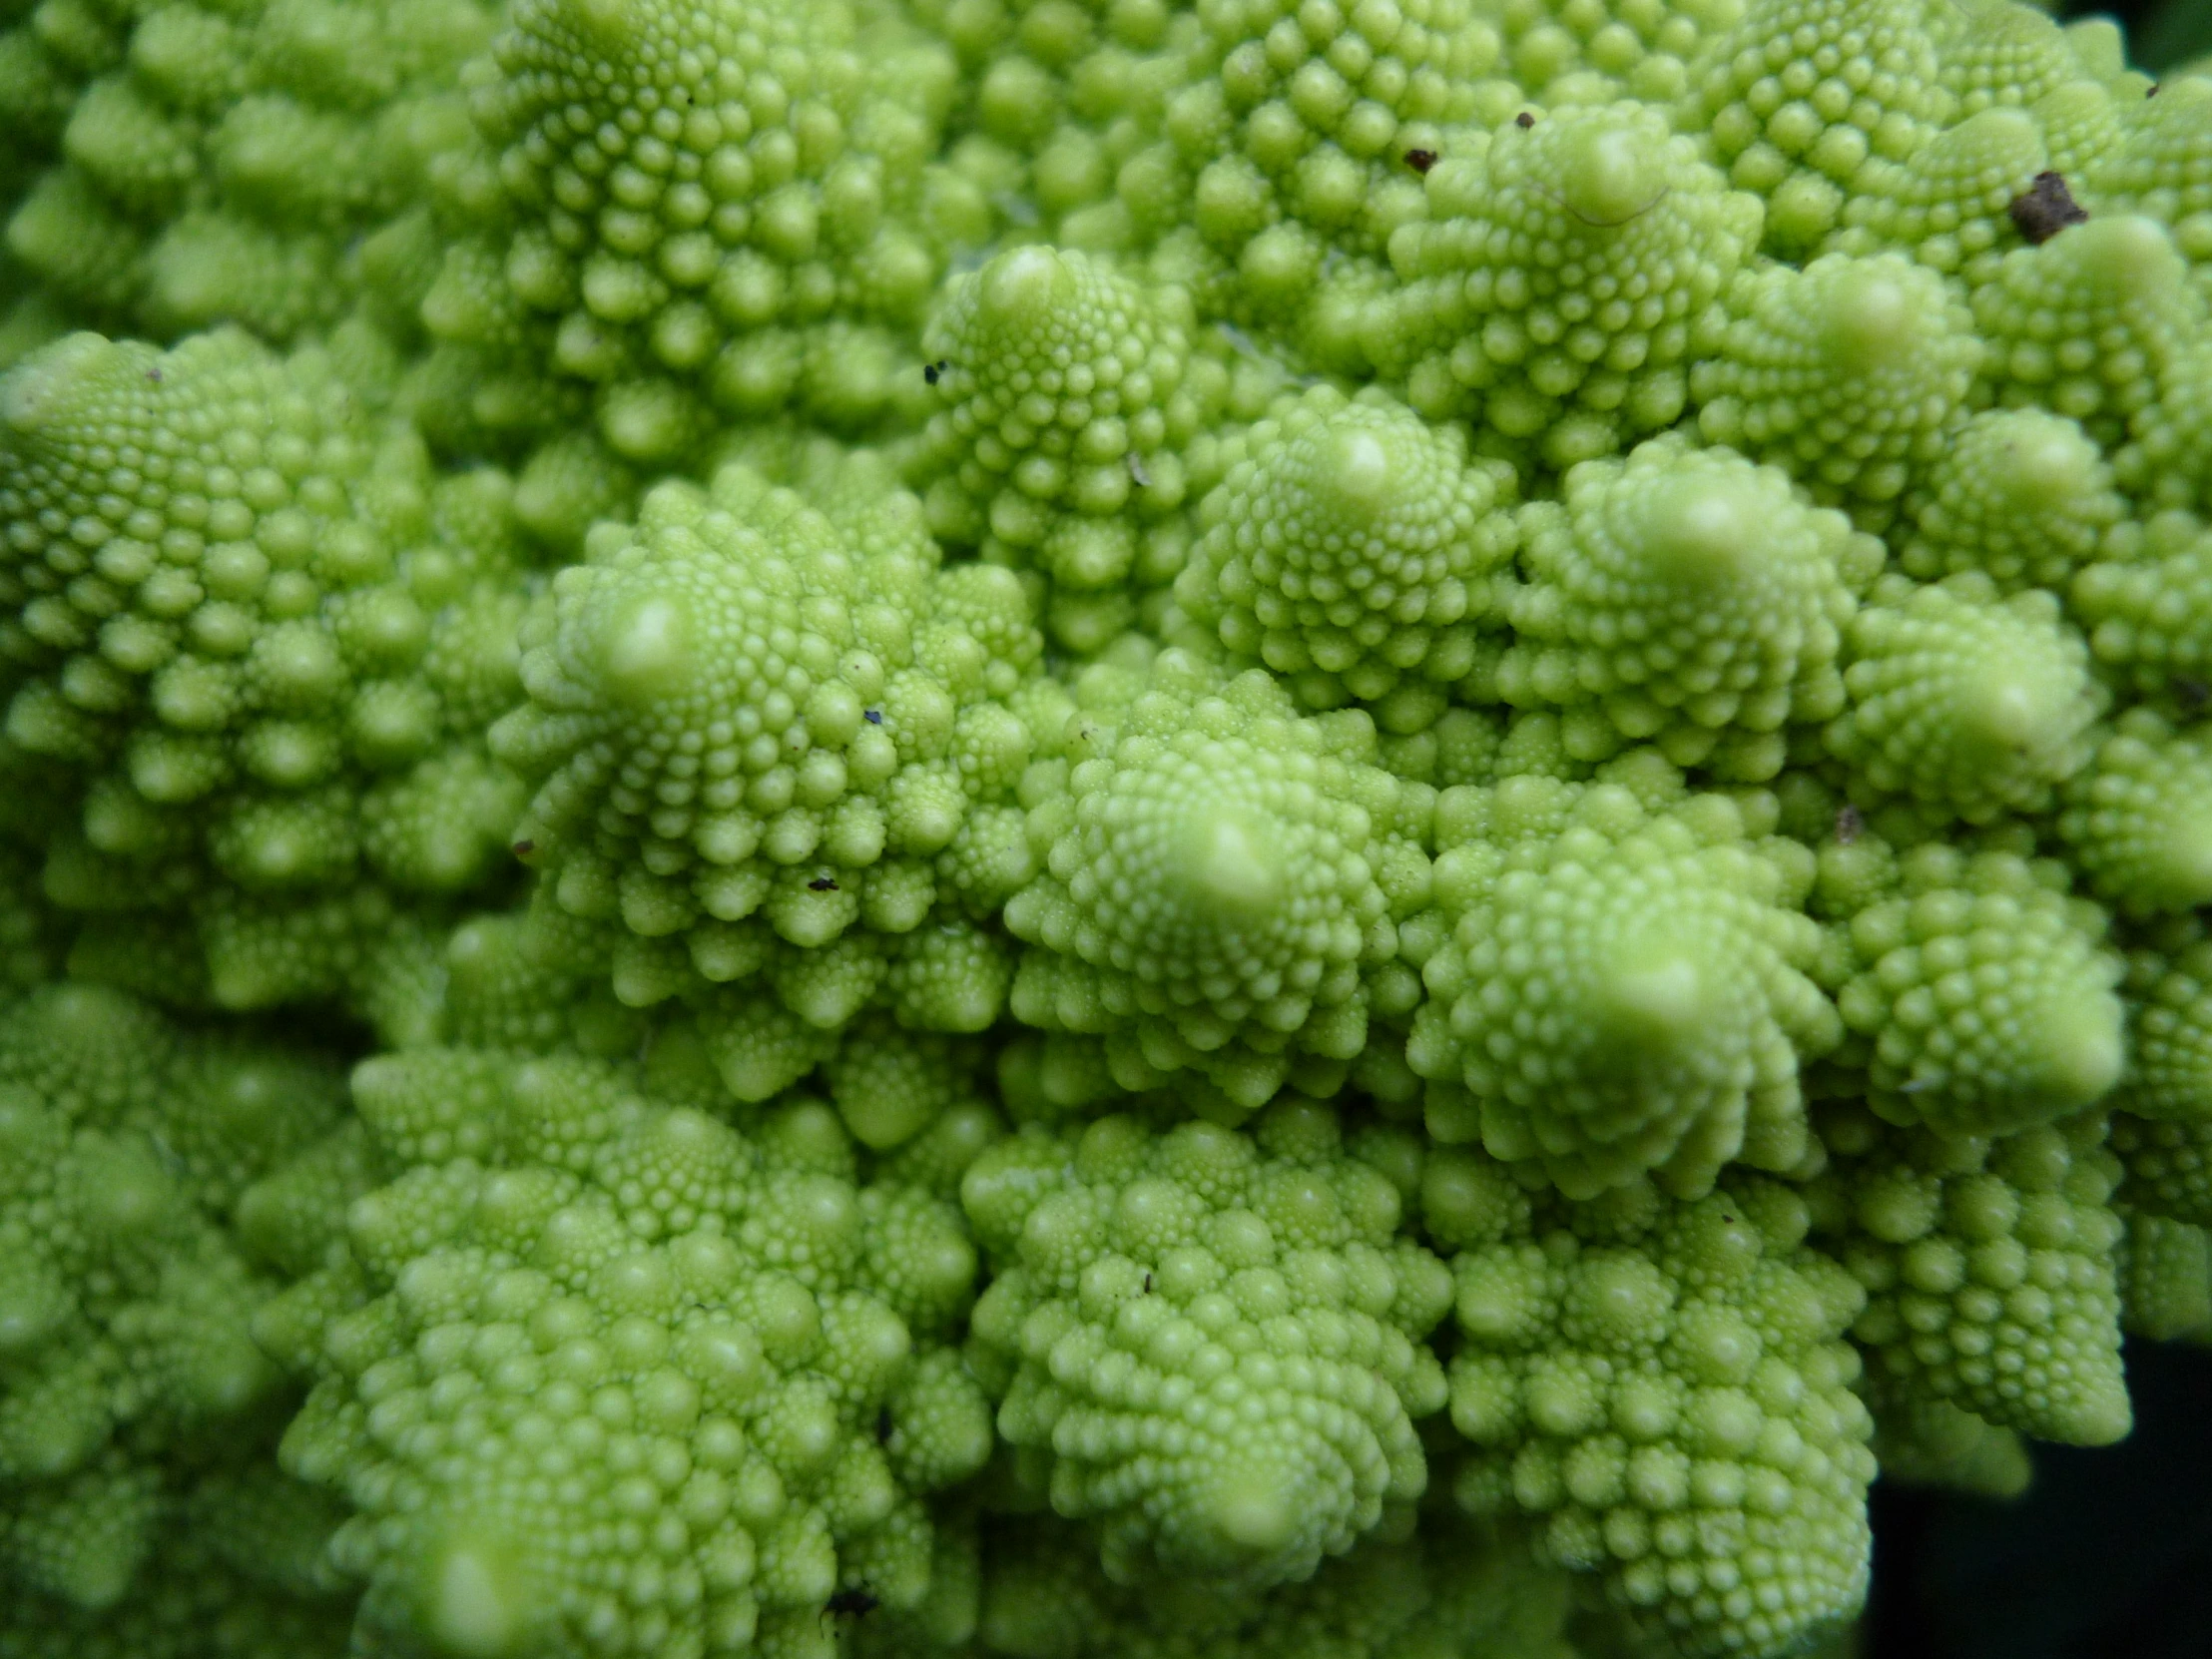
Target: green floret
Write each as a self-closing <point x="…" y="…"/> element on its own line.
<point x="222" y="162"/>
<point x="2168" y="1163"/>
<point x="264" y="636"/>
<point x="2165" y="1275"/>
<point x="1205" y="1340"/>
<point x="2022" y="495"/>
<point x="530" y="981"/>
<point x="233" y="1572"/>
<point x="1220" y="876"/>
<point x="1686" y="597"/>
<point x="2003" y="55"/>
<point x="695" y="1328"/>
<point x="125" y="1303"/>
<point x="2094" y="324"/>
<point x="764" y="746"/>
<point x="1564" y="52"/>
<point x="1661" y="1387"/>
<point x="223" y="1105"/>
<point x="1453" y="1592"/>
<point x="890" y="1085"/>
<point x="1562" y="282"/>
<point x="1353" y="548"/>
<point x="1615" y="990"/>
<point x="487" y="384"/>
<point x="1280" y="169"/>
<point x="1977" y="996"/>
<point x="1799" y="95"/>
<point x="2162" y="169"/>
<point x="2162" y="1120"/>
<point x="1847" y="374"/>
<point x="1931" y="1442"/>
<point x="716" y="208"/>
<point x="1071" y="395"/>
<point x="2138" y="817"/>
<point x="1988" y="1269"/>
<point x="972" y="710"/>
<point x="1968" y="703"/>
<point x="2169" y="995"/>
<point x="1949" y="205"/>
<point x="2149" y="620"/>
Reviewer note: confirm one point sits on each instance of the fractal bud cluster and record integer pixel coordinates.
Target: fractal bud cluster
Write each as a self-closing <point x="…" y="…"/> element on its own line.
<point x="1083" y="829"/>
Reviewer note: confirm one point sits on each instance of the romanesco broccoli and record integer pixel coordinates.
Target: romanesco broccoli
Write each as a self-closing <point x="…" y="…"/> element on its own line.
<point x="1345" y="829"/>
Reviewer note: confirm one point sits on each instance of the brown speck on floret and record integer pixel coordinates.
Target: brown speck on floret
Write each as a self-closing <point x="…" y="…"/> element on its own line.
<point x="2046" y="208"/>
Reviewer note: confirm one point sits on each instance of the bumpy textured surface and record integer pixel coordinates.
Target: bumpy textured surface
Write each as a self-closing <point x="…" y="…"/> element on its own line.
<point x="1662" y="1387"/>
<point x="2148" y="618"/>
<point x="2020" y="495"/>
<point x="1450" y="1593"/>
<point x="1616" y="991"/>
<point x="263" y="640"/>
<point x="1798" y="96"/>
<point x="1216" y="1337"/>
<point x="236" y="1570"/>
<point x="1216" y="884"/>
<point x="1987" y="1266"/>
<point x="714" y="209"/>
<point x="125" y="1298"/>
<point x="2139" y="819"/>
<point x="1965" y="700"/>
<point x="1845" y="373"/>
<point x="1352" y="548"/>
<point x="1975" y="994"/>
<point x="982" y="717"/>
<point x="219" y="165"/>
<point x="572" y="1303"/>
<point x="1689" y="599"/>
<point x="1564" y="275"/>
<point x="2162" y="1128"/>
<point x="768" y="744"/>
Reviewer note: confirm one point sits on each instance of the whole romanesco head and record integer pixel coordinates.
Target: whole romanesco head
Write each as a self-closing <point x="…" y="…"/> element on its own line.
<point x="1014" y="830"/>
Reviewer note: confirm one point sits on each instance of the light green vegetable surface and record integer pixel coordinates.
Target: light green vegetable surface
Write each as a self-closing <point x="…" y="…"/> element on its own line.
<point x="1082" y="828"/>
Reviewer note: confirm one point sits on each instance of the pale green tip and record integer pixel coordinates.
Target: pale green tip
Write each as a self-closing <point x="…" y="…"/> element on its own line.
<point x="2103" y="1418"/>
<point x="42" y="389"/>
<point x="2005" y="710"/>
<point x="646" y="650"/>
<point x="1610" y="173"/>
<point x="2049" y="461"/>
<point x="2127" y="254"/>
<point x="474" y="1602"/>
<point x="2178" y="870"/>
<point x="1354" y="470"/>
<point x="1254" y="1512"/>
<point x="1230" y="864"/>
<point x="1653" y="997"/>
<point x="2080" y="1051"/>
<point x="1701" y="531"/>
<point x="1871" y="321"/>
<point x="1025" y="287"/>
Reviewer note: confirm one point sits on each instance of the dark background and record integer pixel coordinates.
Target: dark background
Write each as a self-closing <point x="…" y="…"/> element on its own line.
<point x="2109" y="1555"/>
<point x="2163" y="32"/>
